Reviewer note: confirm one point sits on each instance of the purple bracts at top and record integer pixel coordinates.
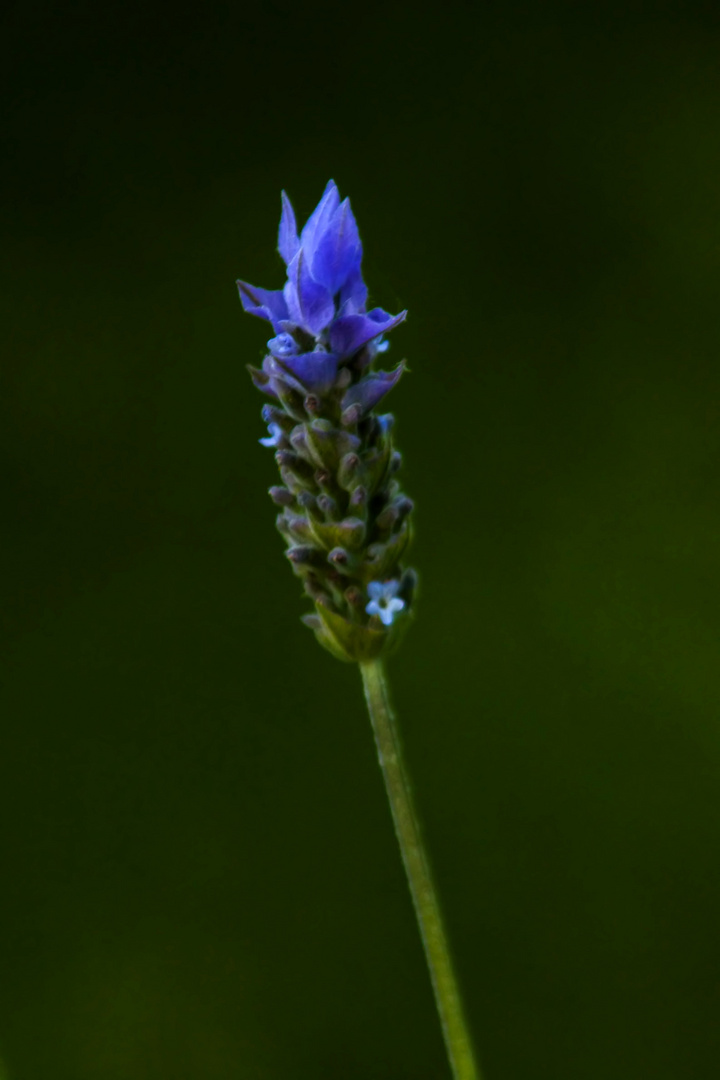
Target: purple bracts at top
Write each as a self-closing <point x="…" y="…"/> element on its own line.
<point x="319" y="316"/>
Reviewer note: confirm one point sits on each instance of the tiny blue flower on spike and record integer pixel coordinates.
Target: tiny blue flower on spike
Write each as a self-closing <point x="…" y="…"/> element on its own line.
<point x="283" y="345"/>
<point x="275" y="436"/>
<point x="384" y="600"/>
<point x="343" y="515"/>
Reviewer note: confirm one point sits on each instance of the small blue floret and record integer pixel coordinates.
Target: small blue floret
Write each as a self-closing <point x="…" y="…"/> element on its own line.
<point x="283" y="345"/>
<point x="273" y="439"/>
<point x="384" y="601"/>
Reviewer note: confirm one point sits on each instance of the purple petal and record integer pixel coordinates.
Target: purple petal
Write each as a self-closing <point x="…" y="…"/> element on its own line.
<point x="353" y="295"/>
<point x="320" y="218"/>
<point x="279" y="373"/>
<point x="338" y="251"/>
<point x="371" y="389"/>
<point x="310" y="304"/>
<point x="315" y="370"/>
<point x="350" y="332"/>
<point x="266" y="303"/>
<point x="288" y="242"/>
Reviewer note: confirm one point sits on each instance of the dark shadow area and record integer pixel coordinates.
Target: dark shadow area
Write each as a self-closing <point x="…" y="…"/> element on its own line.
<point x="198" y="875"/>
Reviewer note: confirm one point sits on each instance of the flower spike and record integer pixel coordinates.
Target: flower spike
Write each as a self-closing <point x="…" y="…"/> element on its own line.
<point x="342" y="513"/>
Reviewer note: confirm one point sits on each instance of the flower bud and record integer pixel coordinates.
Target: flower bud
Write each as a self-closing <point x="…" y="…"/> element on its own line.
<point x="343" y="561"/>
<point x="303" y="557"/>
<point x="292" y="481"/>
<point x="313" y="587"/>
<point x="295" y="464"/>
<point x="351" y="416"/>
<point x="351" y="533"/>
<point x="290" y="398"/>
<point x="310" y="505"/>
<point x="281" y="496"/>
<point x="328" y="506"/>
<point x="298" y="527"/>
<point x="261" y="380"/>
<point x="354" y="596"/>
<point x="349" y="471"/>
<point x="358" y="499"/>
<point x="394" y="514"/>
<point x="329" y="444"/>
<point x="303" y="446"/>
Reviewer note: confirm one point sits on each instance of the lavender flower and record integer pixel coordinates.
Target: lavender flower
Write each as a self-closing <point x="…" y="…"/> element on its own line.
<point x="342" y="513"/>
<point x="344" y="517"/>
<point x="384" y="600"/>
<point x="275" y="436"/>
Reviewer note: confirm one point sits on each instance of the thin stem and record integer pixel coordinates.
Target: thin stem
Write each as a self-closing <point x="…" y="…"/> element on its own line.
<point x="427" y="909"/>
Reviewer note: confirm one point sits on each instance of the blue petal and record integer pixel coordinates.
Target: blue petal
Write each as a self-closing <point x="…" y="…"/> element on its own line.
<point x="320" y="218"/>
<point x="338" y="251"/>
<point x="288" y="242"/>
<point x="384" y="590"/>
<point x="353" y="295"/>
<point x="309" y="303"/>
<point x="394" y="607"/>
<point x="371" y="389"/>
<point x="275" y="436"/>
<point x="278" y="372"/>
<point x="350" y="332"/>
<point x="266" y="303"/>
<point x="385" y="612"/>
<point x="315" y="370"/>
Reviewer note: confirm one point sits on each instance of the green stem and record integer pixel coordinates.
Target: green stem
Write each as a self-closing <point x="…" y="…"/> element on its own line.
<point x="427" y="909"/>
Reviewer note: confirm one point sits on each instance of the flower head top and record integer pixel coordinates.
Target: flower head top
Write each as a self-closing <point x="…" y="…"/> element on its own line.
<point x="344" y="518"/>
<point x="319" y="316"/>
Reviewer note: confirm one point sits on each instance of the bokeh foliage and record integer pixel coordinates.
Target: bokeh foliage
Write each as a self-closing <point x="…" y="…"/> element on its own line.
<point x="199" y="876"/>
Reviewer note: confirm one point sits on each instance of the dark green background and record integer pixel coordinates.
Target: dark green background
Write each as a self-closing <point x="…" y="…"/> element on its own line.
<point x="198" y="873"/>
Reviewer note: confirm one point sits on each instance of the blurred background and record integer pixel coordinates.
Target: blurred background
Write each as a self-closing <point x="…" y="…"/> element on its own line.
<point x="198" y="874"/>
